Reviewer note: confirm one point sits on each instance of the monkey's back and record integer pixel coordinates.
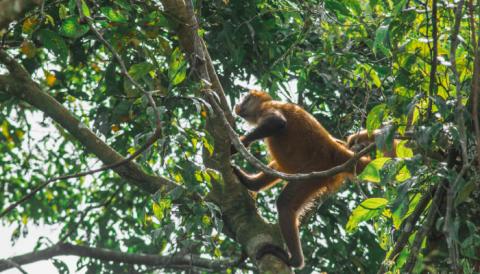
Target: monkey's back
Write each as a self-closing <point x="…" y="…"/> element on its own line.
<point x="304" y="145"/>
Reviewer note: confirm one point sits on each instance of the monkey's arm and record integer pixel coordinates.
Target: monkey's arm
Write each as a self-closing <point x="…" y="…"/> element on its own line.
<point x="269" y="125"/>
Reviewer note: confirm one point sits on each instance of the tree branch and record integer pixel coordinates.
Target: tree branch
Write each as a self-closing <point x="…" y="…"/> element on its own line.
<point x="169" y="262"/>
<point x="123" y="68"/>
<point x="475" y="78"/>
<point x="427" y="225"/>
<point x="408" y="229"/>
<point x="451" y="193"/>
<point x="10" y="10"/>
<point x="28" y="90"/>
<point x="149" y="142"/>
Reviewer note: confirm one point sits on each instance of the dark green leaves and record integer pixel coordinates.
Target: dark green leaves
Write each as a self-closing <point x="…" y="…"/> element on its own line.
<point x="375" y="117"/>
<point x="114" y="15"/>
<point x="55" y="43"/>
<point x="71" y="28"/>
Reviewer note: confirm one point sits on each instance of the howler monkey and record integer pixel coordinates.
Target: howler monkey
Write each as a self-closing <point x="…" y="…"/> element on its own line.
<point x="297" y="143"/>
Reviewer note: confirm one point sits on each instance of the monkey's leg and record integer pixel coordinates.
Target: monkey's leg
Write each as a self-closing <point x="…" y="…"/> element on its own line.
<point x="291" y="204"/>
<point x="259" y="181"/>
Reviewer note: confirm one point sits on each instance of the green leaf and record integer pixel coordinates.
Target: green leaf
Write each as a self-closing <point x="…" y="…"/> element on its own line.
<point x="371" y="172"/>
<point x="367" y="210"/>
<point x="71" y="28"/>
<point x="381" y="41"/>
<point x="177" y="69"/>
<point x="337" y="7"/>
<point x="55" y="43"/>
<point x="403" y="151"/>
<point x="375" y="78"/>
<point x="85" y="9"/>
<point x="114" y="15"/>
<point x="403" y="174"/>
<point x="375" y="117"/>
<point x="138" y="71"/>
<point x="158" y="211"/>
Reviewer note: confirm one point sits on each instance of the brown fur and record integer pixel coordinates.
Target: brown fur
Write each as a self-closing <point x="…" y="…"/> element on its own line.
<point x="302" y="145"/>
<point x="362" y="138"/>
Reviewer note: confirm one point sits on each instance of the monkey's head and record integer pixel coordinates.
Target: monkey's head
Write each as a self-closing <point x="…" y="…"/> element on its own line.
<point x="250" y="105"/>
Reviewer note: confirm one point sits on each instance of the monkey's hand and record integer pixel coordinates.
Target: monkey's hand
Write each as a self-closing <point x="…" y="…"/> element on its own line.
<point x="233" y="150"/>
<point x="275" y="251"/>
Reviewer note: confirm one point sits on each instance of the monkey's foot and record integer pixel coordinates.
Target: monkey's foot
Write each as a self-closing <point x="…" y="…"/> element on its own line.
<point x="275" y="251"/>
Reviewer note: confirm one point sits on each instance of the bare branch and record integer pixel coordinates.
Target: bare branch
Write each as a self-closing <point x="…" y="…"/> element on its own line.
<point x="169" y="262"/>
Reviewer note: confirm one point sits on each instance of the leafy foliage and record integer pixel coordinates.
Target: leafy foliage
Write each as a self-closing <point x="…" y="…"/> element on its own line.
<point x="352" y="64"/>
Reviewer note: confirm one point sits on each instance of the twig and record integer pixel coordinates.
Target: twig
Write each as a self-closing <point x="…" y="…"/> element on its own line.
<point x="84" y="212"/>
<point x="272" y="172"/>
<point x="149" y="142"/>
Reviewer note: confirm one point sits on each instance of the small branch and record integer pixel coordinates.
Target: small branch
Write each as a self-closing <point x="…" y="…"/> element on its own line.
<point x="20" y="85"/>
<point x="169" y="262"/>
<point x="422" y="232"/>
<point x="84" y="213"/>
<point x="269" y="171"/>
<point x="13" y="264"/>
<point x="475" y="78"/>
<point x="10" y="10"/>
<point x="149" y="142"/>
<point x="408" y="228"/>
<point x="449" y="214"/>
<point x="433" y="70"/>
<point x="119" y="60"/>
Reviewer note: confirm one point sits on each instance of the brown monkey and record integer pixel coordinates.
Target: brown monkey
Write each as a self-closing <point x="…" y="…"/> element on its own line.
<point x="297" y="143"/>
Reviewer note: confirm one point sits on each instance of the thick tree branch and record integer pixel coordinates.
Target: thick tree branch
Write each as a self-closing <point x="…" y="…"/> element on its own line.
<point x="238" y="209"/>
<point x="11" y="10"/>
<point x="26" y="89"/>
<point x="168" y="262"/>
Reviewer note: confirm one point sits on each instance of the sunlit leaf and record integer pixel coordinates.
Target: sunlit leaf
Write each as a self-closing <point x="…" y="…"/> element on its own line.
<point x="367" y="210"/>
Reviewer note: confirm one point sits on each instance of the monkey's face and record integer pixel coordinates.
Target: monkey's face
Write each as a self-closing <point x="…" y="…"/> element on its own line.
<point x="249" y="106"/>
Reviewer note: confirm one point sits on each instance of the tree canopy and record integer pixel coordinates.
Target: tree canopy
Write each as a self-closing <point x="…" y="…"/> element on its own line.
<point x="116" y="125"/>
